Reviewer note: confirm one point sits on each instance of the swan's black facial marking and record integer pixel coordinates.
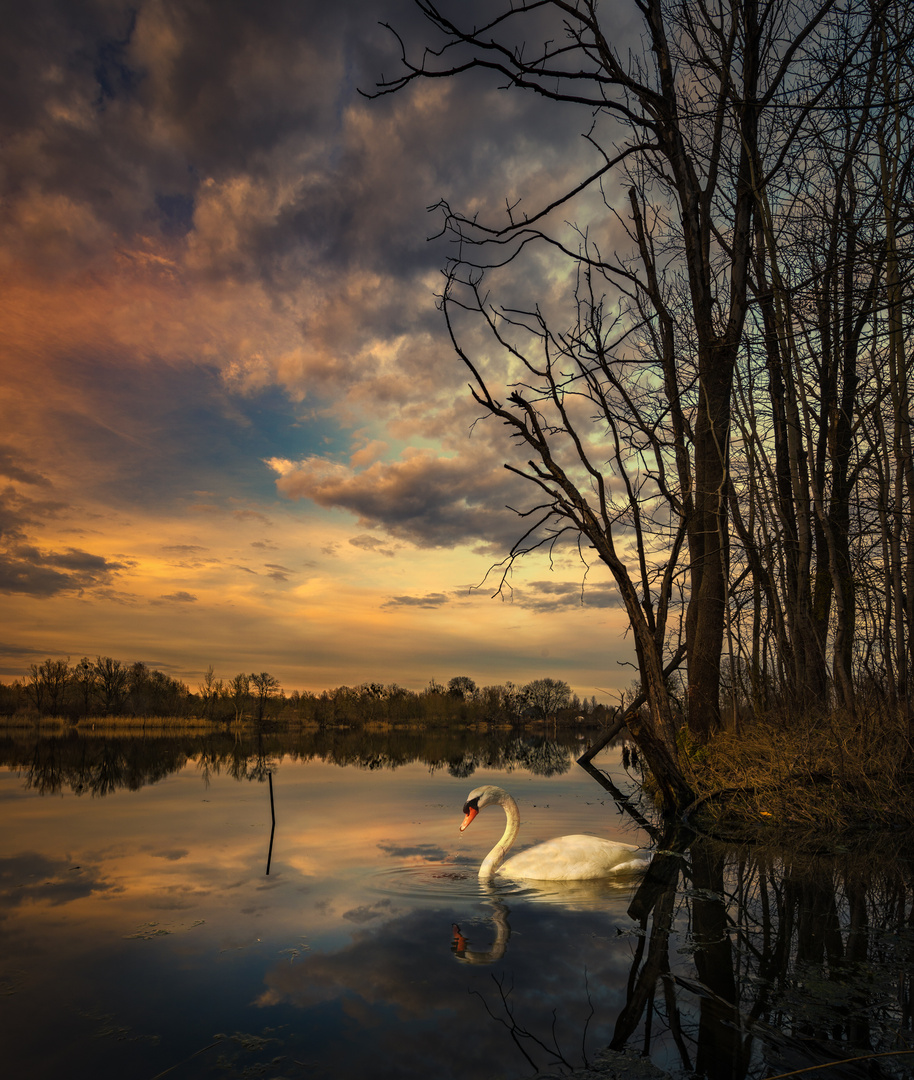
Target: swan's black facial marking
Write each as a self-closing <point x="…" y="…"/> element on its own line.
<point x="470" y="810"/>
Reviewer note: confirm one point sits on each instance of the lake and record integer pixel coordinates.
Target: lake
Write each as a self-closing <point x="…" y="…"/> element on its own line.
<point x="143" y="937"/>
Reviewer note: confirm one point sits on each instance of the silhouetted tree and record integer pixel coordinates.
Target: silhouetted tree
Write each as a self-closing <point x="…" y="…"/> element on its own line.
<point x="461" y="686"/>
<point x="48" y="683"/>
<point x="111" y="678"/>
<point x="546" y="696"/>
<point x="265" y="686"/>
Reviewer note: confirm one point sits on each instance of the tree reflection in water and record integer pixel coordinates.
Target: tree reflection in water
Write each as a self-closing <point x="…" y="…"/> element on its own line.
<point x="737" y="962"/>
<point x="101" y="765"/>
<point x="797" y="963"/>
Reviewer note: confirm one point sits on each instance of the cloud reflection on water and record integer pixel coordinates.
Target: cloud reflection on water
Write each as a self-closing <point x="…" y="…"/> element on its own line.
<point x="31" y="877"/>
<point x="400" y="981"/>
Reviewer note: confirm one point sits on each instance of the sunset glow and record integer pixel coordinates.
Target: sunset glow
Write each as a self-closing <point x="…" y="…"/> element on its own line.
<point x="235" y="431"/>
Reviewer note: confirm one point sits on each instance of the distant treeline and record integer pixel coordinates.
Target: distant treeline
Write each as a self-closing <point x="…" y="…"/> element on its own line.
<point x="107" y="687"/>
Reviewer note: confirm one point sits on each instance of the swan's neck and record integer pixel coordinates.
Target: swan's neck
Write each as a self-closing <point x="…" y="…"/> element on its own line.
<point x="496" y="856"/>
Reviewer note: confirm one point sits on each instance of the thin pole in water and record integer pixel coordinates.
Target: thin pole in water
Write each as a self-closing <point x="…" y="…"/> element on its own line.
<point x="273" y="828"/>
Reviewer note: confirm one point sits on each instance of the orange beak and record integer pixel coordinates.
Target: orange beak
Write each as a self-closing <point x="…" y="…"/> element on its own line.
<point x="471" y="813"/>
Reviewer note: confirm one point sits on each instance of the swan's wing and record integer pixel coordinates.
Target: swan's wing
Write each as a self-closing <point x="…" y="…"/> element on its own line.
<point x="575" y="858"/>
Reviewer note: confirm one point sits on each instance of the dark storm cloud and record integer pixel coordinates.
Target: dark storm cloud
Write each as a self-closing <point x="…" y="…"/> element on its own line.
<point x="237" y="134"/>
<point x="18" y="511"/>
<point x="141" y="114"/>
<point x="22" y="576"/>
<point x="127" y="107"/>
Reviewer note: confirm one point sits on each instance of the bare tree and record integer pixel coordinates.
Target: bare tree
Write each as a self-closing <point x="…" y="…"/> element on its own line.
<point x="546" y="696"/>
<point x="111" y="680"/>
<point x="85" y="678"/>
<point x="265" y="686"/>
<point x="820" y="496"/>
<point x="240" y="693"/>
<point x="624" y="408"/>
<point x="210" y="690"/>
<point x="47" y="684"/>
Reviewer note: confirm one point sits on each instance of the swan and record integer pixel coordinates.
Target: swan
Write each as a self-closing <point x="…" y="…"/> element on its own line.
<point x="566" y="858"/>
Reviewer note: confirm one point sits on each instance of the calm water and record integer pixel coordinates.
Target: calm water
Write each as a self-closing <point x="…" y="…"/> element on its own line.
<point x="141" y="935"/>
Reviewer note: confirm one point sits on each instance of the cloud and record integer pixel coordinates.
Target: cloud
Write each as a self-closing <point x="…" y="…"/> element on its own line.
<point x="373" y="978"/>
<point x="430" y="600"/>
<point x="214" y="254"/>
<point x="430" y="500"/>
<point x="18" y="575"/>
<point x="368" y="454"/>
<point x="277" y="572"/>
<point x="18" y="512"/>
<point x="373" y="544"/>
<point x="251" y="515"/>
<point x="545" y="596"/>
<point x="15" y="470"/>
<point x="25" y="569"/>
<point x="9" y="649"/>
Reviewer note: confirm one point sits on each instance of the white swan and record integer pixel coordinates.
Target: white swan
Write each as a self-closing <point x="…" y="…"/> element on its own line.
<point x="566" y="858"/>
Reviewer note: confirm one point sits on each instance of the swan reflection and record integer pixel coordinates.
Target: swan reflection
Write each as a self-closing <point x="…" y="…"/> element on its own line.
<point x="459" y="944"/>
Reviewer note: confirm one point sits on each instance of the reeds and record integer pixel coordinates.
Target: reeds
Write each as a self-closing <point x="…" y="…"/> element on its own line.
<point x="827" y="777"/>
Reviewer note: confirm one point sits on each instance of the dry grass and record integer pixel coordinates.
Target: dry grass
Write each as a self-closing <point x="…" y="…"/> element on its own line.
<point x="820" y="777"/>
<point x="105" y="725"/>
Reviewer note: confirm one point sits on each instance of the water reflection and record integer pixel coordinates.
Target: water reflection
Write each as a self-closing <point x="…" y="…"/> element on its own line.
<point x="101" y="765"/>
<point x="795" y="963"/>
<point x="460" y="947"/>
<point x="144" y="924"/>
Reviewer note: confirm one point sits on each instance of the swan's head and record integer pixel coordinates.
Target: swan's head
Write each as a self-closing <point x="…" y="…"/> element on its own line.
<point x="479" y="798"/>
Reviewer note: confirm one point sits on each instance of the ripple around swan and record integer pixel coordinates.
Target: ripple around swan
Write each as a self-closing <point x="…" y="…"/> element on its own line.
<point x="430" y="881"/>
<point x="455" y="881"/>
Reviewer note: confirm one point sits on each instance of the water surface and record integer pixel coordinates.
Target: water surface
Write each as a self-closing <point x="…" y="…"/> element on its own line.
<point x="142" y="936"/>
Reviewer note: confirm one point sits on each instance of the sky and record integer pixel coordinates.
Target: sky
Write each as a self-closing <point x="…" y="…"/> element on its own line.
<point x="233" y="430"/>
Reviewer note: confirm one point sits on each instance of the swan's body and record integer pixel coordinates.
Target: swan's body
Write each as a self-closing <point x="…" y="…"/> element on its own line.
<point x="566" y="858"/>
